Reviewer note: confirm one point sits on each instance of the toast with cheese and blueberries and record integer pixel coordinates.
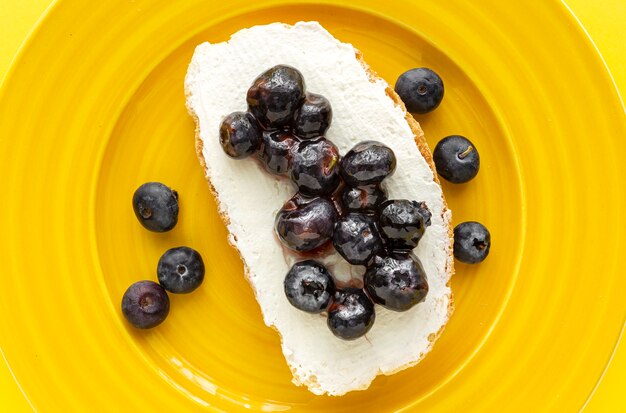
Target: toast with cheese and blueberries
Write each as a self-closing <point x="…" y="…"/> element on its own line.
<point x="330" y="196"/>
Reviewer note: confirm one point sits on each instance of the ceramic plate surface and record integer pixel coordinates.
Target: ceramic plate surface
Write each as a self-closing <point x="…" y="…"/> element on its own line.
<point x="94" y="106"/>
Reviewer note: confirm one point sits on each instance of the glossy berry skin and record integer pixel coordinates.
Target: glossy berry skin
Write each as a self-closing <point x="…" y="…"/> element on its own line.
<point x="403" y="222"/>
<point x="145" y="304"/>
<point x="369" y="162"/>
<point x="305" y="224"/>
<point x="351" y="314"/>
<point x="313" y="118"/>
<point x="357" y="239"/>
<point x="275" y="96"/>
<point x="156" y="206"/>
<point x="309" y="286"/>
<point x="456" y="159"/>
<point x="420" y="89"/>
<point x="472" y="242"/>
<point x="240" y="135"/>
<point x="277" y="151"/>
<point x="363" y="198"/>
<point x="396" y="281"/>
<point x="180" y="270"/>
<point x="316" y="167"/>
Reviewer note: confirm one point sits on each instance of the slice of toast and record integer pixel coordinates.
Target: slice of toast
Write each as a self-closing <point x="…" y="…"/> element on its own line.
<point x="364" y="108"/>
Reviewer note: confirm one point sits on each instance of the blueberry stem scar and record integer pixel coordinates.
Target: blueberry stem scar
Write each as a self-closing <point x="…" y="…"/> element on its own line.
<point x="479" y="244"/>
<point x="466" y="152"/>
<point x="146" y="213"/>
<point x="145" y="301"/>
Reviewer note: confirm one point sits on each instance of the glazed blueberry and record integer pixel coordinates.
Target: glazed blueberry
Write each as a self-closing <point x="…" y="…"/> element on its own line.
<point x="471" y="242"/>
<point x="240" y="135"/>
<point x="275" y="96"/>
<point x="425" y="212"/>
<point x="396" y="281"/>
<point x="316" y="167"/>
<point x="145" y="304"/>
<point x="369" y="162"/>
<point x="363" y="198"/>
<point x="277" y="151"/>
<point x="313" y="118"/>
<point x="403" y="223"/>
<point x="357" y="239"/>
<point x="180" y="270"/>
<point x="309" y="286"/>
<point x="305" y="224"/>
<point x="420" y="89"/>
<point x="156" y="206"/>
<point x="351" y="314"/>
<point x="456" y="159"/>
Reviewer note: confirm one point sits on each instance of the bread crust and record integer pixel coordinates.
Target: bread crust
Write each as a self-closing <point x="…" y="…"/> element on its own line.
<point x="421" y="144"/>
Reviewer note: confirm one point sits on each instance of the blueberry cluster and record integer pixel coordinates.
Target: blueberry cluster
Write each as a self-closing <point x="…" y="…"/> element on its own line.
<point x="180" y="270"/>
<point x="340" y="201"/>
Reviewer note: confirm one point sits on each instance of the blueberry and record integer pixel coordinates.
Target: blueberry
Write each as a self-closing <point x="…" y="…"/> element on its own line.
<point x="309" y="286"/>
<point x="397" y="281"/>
<point x="316" y="167"/>
<point x="277" y="151"/>
<point x="180" y="270"/>
<point x="456" y="159"/>
<point x="403" y="223"/>
<point x="471" y="242"/>
<point x="369" y="162"/>
<point x="145" y="304"/>
<point x="363" y="198"/>
<point x="240" y="135"/>
<point x="313" y="118"/>
<point x="351" y="314"/>
<point x="357" y="239"/>
<point x="156" y="206"/>
<point x="275" y="96"/>
<point x="420" y="89"/>
<point x="305" y="224"/>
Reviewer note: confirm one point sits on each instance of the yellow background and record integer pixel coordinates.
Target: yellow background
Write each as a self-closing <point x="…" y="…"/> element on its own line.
<point x="603" y="19"/>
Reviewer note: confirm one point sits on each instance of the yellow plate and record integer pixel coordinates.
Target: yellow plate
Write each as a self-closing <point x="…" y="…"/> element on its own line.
<point x="94" y="107"/>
